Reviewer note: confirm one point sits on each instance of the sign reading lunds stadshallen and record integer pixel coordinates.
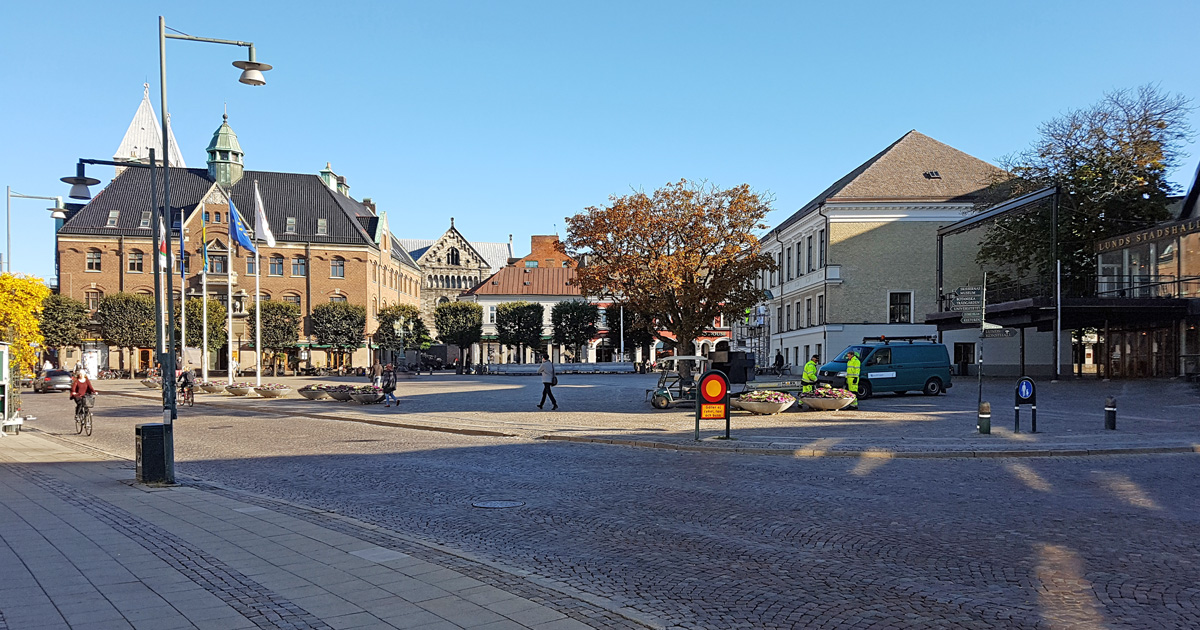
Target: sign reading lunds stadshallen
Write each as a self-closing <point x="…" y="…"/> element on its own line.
<point x="1179" y="228"/>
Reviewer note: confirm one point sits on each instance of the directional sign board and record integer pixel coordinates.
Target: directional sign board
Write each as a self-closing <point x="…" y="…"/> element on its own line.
<point x="964" y="291"/>
<point x="972" y="318"/>
<point x="968" y="300"/>
<point x="966" y="308"/>
<point x="992" y="333"/>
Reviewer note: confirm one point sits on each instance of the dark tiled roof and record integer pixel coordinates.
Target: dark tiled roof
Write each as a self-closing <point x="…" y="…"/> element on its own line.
<point x="298" y="195"/>
<point x="529" y="281"/>
<point x="400" y="255"/>
<point x="1189" y="210"/>
<point x="897" y="173"/>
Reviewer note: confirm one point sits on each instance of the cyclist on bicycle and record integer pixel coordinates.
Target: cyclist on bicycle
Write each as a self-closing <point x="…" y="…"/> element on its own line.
<point x="81" y="388"/>
<point x="187" y="381"/>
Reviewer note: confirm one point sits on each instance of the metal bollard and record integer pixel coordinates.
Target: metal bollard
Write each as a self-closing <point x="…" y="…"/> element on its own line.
<point x="1110" y="413"/>
<point x="985" y="418"/>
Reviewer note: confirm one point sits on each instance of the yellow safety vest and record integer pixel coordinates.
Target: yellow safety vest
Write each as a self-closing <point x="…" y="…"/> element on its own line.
<point x="810" y="371"/>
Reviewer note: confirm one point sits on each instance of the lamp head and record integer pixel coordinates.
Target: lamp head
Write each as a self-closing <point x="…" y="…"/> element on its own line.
<point x="79" y="183"/>
<point x="252" y="72"/>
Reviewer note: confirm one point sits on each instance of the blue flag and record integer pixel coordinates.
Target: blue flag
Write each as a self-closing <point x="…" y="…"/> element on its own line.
<point x="239" y="230"/>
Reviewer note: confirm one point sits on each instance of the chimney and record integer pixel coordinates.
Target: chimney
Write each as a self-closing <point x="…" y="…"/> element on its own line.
<point x="369" y="203"/>
<point x="327" y="176"/>
<point x="342" y="186"/>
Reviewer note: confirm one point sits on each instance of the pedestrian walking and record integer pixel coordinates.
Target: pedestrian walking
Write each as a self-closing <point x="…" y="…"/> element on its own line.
<point x="549" y="379"/>
<point x="389" y="386"/>
<point x="377" y="374"/>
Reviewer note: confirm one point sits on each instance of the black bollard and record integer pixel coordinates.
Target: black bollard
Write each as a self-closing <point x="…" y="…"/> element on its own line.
<point x="1110" y="413"/>
<point x="985" y="418"/>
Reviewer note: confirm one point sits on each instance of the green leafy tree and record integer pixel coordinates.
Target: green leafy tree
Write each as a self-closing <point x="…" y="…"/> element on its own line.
<point x="339" y="325"/>
<point x="195" y="315"/>
<point x="639" y="329"/>
<point x="280" y="328"/>
<point x="1111" y="161"/>
<point x="127" y="322"/>
<point x="574" y="323"/>
<point x="63" y="321"/>
<point x="415" y="332"/>
<point x="459" y="324"/>
<point x="519" y="325"/>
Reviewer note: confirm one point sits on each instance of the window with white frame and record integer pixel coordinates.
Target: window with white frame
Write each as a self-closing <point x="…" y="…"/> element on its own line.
<point x="808" y="320"/>
<point x="900" y="307"/>
<point x="821" y="249"/>
<point x="789" y="263"/>
<point x="809" y="255"/>
<point x="788" y="318"/>
<point x="94" y="260"/>
<point x="820" y="309"/>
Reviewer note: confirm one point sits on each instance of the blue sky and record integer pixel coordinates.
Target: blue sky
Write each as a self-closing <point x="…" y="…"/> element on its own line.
<point x="510" y="116"/>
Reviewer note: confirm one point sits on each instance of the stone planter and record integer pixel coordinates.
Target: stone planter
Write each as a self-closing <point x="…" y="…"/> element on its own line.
<point x="212" y="388"/>
<point x="827" y="404"/>
<point x="238" y="391"/>
<point x="314" y="394"/>
<point x="368" y="398"/>
<point x="151" y="384"/>
<point x="273" y="393"/>
<point x="342" y="396"/>
<point x="763" y="408"/>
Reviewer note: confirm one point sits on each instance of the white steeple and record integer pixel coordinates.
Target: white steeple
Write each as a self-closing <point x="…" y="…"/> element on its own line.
<point x="143" y="133"/>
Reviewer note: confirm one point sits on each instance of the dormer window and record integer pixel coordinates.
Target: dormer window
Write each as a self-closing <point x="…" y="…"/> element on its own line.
<point x="322" y="227"/>
<point x="291" y="225"/>
<point x="112" y="218"/>
<point x="145" y="222"/>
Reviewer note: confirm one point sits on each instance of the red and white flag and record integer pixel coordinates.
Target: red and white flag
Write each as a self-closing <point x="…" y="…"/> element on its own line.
<point x="163" y="262"/>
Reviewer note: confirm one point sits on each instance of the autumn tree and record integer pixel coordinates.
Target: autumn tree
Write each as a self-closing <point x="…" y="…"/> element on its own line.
<point x="459" y="324"/>
<point x="62" y="321"/>
<point x="1111" y="161"/>
<point x="574" y="323"/>
<point x="280" y="328"/>
<point x="127" y="322"/>
<point x="19" y="310"/>
<point x="682" y="255"/>
<point x="519" y="325"/>
<point x="339" y="325"/>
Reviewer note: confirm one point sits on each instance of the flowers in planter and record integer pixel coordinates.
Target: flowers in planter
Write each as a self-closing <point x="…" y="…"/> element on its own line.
<point x="209" y="384"/>
<point x="767" y="396"/>
<point x="333" y="388"/>
<point x="241" y="385"/>
<point x="367" y="389"/>
<point x="825" y="391"/>
<point x="272" y="387"/>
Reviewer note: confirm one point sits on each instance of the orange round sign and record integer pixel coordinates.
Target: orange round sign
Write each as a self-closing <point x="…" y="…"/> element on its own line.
<point x="713" y="388"/>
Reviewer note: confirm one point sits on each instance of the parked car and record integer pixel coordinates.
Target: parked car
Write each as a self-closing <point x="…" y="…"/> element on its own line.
<point x="53" y="381"/>
<point x="894" y="365"/>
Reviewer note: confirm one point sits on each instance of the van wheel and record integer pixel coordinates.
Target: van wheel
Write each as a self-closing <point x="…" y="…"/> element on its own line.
<point x="660" y="402"/>
<point x="864" y="389"/>
<point x="933" y="387"/>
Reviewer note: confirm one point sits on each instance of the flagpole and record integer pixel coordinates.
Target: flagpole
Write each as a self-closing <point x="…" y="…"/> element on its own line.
<point x="257" y="293"/>
<point x="229" y="311"/>
<point x="204" y="292"/>
<point x="182" y="298"/>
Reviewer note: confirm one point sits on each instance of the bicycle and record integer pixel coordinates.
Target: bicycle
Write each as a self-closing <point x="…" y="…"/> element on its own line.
<point x="187" y="396"/>
<point x="83" y="414"/>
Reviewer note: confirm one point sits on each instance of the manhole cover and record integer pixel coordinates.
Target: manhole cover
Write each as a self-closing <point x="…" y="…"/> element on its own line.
<point x="497" y="505"/>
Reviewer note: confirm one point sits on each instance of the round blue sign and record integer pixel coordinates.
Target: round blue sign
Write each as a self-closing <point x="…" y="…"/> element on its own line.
<point x="1025" y="389"/>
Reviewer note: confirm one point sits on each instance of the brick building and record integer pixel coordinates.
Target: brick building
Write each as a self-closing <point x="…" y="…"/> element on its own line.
<point x="329" y="247"/>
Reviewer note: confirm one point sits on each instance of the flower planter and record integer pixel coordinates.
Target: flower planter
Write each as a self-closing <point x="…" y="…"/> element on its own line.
<point x="151" y="384"/>
<point x="212" y="388"/>
<point x="238" y="391"/>
<point x="342" y="396"/>
<point x="273" y="393"/>
<point x="827" y="404"/>
<point x="764" y="408"/>
<point x="369" y="398"/>
<point x="314" y="394"/>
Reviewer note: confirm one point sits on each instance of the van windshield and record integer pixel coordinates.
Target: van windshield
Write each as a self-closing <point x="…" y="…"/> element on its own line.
<point x="861" y="351"/>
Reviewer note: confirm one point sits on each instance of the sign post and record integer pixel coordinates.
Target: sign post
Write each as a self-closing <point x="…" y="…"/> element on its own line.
<point x="1026" y="394"/>
<point x="712" y="400"/>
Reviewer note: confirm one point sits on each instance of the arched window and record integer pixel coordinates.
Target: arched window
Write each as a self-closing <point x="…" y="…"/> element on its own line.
<point x="135" y="261"/>
<point x="94" y="259"/>
<point x="93" y="298"/>
<point x="444" y="300"/>
<point x="276" y="267"/>
<point x="374" y="272"/>
<point x="374" y="307"/>
<point x="337" y="267"/>
<point x="293" y="298"/>
<point x="452" y="257"/>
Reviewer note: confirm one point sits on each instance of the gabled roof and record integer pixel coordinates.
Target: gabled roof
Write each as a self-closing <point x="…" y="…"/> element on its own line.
<point x="529" y="281"/>
<point x="904" y="172"/>
<point x="495" y="254"/>
<point x="144" y="133"/>
<point x="298" y="195"/>
<point x="400" y="255"/>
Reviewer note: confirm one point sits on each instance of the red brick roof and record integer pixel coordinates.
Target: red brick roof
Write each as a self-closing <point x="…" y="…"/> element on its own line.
<point x="529" y="281"/>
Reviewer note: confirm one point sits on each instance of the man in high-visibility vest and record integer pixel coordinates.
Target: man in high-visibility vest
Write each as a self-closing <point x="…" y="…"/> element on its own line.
<point x="853" y="368"/>
<point x="810" y="374"/>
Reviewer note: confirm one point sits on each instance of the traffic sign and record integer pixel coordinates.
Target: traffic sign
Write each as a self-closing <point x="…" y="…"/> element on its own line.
<point x="966" y="308"/>
<point x="712" y="400"/>
<point x="970" y="299"/>
<point x="972" y="318"/>
<point x="969" y="291"/>
<point x="993" y="333"/>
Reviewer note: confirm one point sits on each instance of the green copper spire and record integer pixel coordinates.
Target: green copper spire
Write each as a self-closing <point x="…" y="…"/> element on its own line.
<point x="225" y="155"/>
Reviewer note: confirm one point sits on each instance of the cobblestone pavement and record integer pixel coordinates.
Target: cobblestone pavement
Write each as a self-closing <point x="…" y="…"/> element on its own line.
<point x="1152" y="414"/>
<point x="705" y="540"/>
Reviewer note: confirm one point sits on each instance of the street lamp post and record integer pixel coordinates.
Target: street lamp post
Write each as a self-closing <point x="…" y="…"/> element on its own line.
<point x="57" y="213"/>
